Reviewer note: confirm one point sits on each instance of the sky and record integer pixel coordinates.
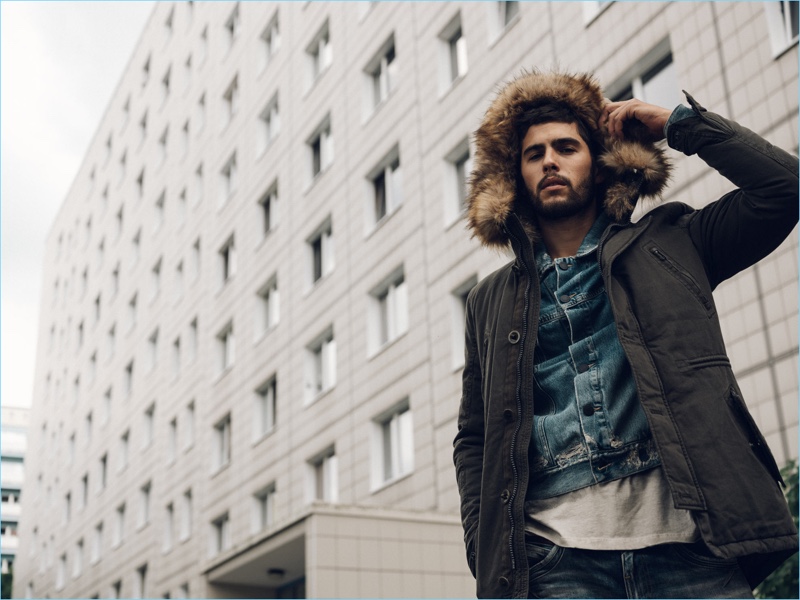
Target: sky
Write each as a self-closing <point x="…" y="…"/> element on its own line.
<point x="60" y="64"/>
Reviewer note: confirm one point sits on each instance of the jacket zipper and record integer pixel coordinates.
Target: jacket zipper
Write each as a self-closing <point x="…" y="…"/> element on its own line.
<point x="685" y="278"/>
<point x="523" y="337"/>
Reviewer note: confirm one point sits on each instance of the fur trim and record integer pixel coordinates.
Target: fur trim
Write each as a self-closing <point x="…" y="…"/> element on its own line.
<point x="630" y="168"/>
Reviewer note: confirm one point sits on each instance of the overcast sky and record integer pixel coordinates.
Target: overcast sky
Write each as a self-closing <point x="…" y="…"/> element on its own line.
<point x="61" y="63"/>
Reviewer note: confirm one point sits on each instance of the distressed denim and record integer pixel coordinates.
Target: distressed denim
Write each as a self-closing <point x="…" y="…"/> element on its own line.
<point x="665" y="571"/>
<point x="589" y="426"/>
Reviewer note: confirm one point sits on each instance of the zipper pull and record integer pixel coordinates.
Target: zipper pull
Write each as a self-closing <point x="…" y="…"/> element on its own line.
<point x="658" y="254"/>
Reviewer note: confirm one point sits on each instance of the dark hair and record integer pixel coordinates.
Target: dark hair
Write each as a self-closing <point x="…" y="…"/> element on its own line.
<point x="548" y="111"/>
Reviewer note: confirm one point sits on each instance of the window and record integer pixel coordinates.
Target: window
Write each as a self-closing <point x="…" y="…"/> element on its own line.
<point x="233" y="25"/>
<point x="321" y="148"/>
<point x="102" y="473"/>
<point x="115" y="281"/>
<point x="168" y="23"/>
<point x="136" y="245"/>
<point x="268" y="310"/>
<point x="203" y="44"/>
<point x="132" y="312"/>
<point x="394" y="456"/>
<point x="506" y="12"/>
<point x="155" y="280"/>
<point x="265" y="408"/>
<point x="129" y="378"/>
<point x="144" y="505"/>
<point x="126" y="112"/>
<point x="67" y="507"/>
<point x="165" y="84"/>
<point x="230" y="101"/>
<point x="106" y="406"/>
<point x="268" y="205"/>
<point x="97" y="543"/>
<point x="652" y="79"/>
<point x="172" y="440"/>
<point x="185" y="138"/>
<point x="222" y="442"/>
<point x="228" y="181"/>
<point x="162" y="147"/>
<point x="455" y="52"/>
<point x="782" y="22"/>
<point x="270" y="42"/>
<point x="324" y="483"/>
<point x="119" y="526"/>
<point x="92" y="367"/>
<point x="80" y="335"/>
<point x="124" y="445"/>
<point x="116" y="589"/>
<point x="200" y="112"/>
<point x="187" y="72"/>
<point x="220" y="534"/>
<point x="389" y="310"/>
<point x="183" y="591"/>
<point x="143" y="128"/>
<point x="61" y="573"/>
<point x="263" y="508"/>
<point x="148" y="423"/>
<point x="77" y="561"/>
<point x="186" y="515"/>
<point x="225" y="348"/>
<point x="152" y="351"/>
<point x="387" y="186"/>
<point x="320" y="246"/>
<point x="178" y="281"/>
<point x="193" y="340"/>
<point x="195" y="260"/>
<point x="176" y="357"/>
<point x="169" y="518"/>
<point x="458" y="167"/>
<point x="146" y="72"/>
<point x="87" y="430"/>
<point x="320" y="52"/>
<point x="96" y="313"/>
<point x="320" y="365"/>
<point x="140" y="582"/>
<point x="197" y="196"/>
<point x="269" y="124"/>
<point x="84" y="491"/>
<point x="188" y="426"/>
<point x="227" y="260"/>
<point x="71" y="449"/>
<point x="182" y="207"/>
<point x="459" y="314"/>
<point x="382" y="72"/>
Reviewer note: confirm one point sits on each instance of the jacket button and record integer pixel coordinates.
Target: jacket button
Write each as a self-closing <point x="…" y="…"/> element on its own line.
<point x="564" y="266"/>
<point x="503" y="582"/>
<point x="583" y="368"/>
<point x="504" y="495"/>
<point x="564" y="298"/>
<point x="588" y="410"/>
<point x="513" y="337"/>
<point x="508" y="414"/>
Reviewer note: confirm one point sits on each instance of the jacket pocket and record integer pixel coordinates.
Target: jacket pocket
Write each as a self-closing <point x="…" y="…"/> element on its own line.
<point x="682" y="275"/>
<point x="701" y="362"/>
<point x="750" y="430"/>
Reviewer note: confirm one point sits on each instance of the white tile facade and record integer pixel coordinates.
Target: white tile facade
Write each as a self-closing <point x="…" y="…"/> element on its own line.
<point x="398" y="540"/>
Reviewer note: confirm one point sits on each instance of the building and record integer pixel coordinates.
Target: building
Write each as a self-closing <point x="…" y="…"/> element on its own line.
<point x="13" y="443"/>
<point x="249" y="358"/>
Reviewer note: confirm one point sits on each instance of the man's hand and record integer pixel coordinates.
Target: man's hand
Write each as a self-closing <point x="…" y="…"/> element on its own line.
<point x="615" y="114"/>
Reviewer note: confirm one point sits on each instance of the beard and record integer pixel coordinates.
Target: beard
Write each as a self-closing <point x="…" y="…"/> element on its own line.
<point x="577" y="199"/>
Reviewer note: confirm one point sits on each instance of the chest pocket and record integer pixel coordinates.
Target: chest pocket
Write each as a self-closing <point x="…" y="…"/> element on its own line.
<point x="683" y="276"/>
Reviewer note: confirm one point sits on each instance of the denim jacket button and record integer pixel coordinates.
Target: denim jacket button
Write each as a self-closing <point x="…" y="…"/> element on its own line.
<point x="583" y="368"/>
<point x="508" y="414"/>
<point x="588" y="409"/>
<point x="564" y="266"/>
<point x="504" y="496"/>
<point x="513" y="337"/>
<point x="564" y="298"/>
<point x="503" y="582"/>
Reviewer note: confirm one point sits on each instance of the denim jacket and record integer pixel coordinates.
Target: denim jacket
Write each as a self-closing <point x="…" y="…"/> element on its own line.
<point x="588" y="425"/>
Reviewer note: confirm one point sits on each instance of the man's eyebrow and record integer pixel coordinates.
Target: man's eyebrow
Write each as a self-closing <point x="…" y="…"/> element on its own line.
<point x="563" y="141"/>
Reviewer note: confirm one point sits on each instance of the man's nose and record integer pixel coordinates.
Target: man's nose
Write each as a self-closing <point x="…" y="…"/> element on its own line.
<point x="549" y="162"/>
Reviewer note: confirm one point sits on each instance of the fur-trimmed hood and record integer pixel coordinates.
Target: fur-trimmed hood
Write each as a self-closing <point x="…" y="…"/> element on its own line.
<point x="630" y="168"/>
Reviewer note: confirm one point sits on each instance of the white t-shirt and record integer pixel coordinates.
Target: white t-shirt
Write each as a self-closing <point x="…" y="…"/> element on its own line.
<point x="626" y="514"/>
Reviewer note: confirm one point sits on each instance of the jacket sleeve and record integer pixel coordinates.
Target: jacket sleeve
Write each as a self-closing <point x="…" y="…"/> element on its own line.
<point x="468" y="443"/>
<point x="747" y="224"/>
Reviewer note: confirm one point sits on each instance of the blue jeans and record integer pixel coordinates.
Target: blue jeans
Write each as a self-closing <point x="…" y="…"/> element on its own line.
<point x="665" y="571"/>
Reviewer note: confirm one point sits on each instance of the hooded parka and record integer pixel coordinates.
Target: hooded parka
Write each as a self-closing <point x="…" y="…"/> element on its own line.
<point x="659" y="274"/>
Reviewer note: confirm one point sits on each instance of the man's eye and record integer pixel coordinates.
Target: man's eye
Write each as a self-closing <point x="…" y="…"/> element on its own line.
<point x="535" y="156"/>
<point x="568" y="150"/>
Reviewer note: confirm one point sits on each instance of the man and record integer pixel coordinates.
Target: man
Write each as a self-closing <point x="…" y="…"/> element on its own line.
<point x="603" y="446"/>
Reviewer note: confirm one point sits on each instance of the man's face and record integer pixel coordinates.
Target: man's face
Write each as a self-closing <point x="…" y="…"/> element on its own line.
<point x="557" y="169"/>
